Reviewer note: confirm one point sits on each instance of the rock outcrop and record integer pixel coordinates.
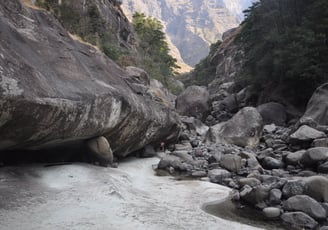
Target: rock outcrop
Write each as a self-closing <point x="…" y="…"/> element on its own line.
<point x="57" y="91"/>
<point x="317" y="107"/>
<point x="228" y="58"/>
<point x="193" y="101"/>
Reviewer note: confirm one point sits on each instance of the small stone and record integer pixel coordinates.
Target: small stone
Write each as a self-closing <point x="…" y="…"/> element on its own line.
<point x="269" y="128"/>
<point x="306" y="173"/>
<point x="245" y="190"/>
<point x="280" y="173"/>
<point x="252" y="182"/>
<point x="231" y="162"/>
<point x="198" y="174"/>
<point x="183" y="147"/>
<point x="195" y="143"/>
<point x="271" y="212"/>
<point x="272" y="163"/>
<point x="275" y="196"/>
<point x="293" y="188"/>
<point x="218" y="175"/>
<point x="265" y="153"/>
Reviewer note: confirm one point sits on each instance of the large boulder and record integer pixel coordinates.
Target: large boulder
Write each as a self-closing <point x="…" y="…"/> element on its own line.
<point x="317" y="107"/>
<point x="244" y="129"/>
<point x="299" y="220"/>
<point x="101" y="150"/>
<point x="306" y="204"/>
<point x="55" y="91"/>
<point x="193" y="102"/>
<point x="314" y="156"/>
<point x="273" y="112"/>
<point x="306" y="133"/>
<point x="294" y="158"/>
<point x="317" y="188"/>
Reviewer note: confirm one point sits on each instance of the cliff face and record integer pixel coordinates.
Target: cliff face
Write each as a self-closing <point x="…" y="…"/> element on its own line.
<point x="228" y="60"/>
<point x="55" y="91"/>
<point x="192" y="25"/>
<point x="101" y="23"/>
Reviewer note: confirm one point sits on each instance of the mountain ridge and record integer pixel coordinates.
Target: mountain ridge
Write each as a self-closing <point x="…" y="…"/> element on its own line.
<point x="191" y="25"/>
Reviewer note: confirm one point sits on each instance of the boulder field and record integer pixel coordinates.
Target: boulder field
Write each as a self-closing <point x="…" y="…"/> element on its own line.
<point x="275" y="165"/>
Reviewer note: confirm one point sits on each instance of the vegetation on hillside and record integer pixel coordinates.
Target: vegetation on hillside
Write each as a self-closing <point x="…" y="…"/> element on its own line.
<point x="204" y="71"/>
<point x="286" y="44"/>
<point x="154" y="49"/>
<point x="87" y="24"/>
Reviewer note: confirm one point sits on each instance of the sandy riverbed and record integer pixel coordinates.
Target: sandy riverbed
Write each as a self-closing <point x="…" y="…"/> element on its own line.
<point x="82" y="196"/>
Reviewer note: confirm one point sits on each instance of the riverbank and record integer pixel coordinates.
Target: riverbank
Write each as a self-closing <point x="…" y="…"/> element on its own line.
<point x="82" y="196"/>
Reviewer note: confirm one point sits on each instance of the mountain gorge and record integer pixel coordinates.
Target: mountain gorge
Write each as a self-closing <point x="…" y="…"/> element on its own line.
<point x="82" y="87"/>
<point x="191" y="25"/>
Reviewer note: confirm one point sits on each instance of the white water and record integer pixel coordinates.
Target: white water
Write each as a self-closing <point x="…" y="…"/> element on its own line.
<point x="83" y="196"/>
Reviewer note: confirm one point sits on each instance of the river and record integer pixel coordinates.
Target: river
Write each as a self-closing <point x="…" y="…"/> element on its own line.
<point x="82" y="196"/>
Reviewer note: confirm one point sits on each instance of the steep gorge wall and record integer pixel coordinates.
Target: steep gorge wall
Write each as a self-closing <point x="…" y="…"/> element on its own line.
<point x="192" y="25"/>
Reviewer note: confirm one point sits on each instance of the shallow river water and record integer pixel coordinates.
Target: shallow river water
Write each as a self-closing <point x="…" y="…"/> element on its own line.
<point x="82" y="196"/>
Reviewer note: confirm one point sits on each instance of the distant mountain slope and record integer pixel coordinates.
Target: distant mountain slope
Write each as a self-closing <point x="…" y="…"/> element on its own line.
<point x="192" y="25"/>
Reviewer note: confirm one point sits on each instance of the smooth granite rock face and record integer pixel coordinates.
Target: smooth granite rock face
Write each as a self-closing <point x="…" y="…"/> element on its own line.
<point x="57" y="91"/>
